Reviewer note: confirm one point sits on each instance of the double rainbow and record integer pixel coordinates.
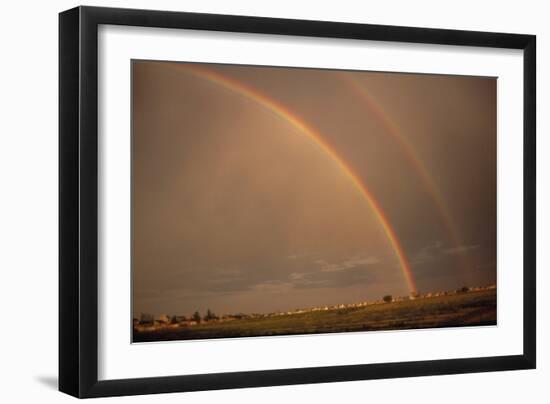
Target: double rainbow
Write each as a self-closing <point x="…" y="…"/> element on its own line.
<point x="410" y="153"/>
<point x="299" y="124"/>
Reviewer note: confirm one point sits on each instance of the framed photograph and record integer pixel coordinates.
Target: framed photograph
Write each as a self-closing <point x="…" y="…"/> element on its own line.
<point x="250" y="201"/>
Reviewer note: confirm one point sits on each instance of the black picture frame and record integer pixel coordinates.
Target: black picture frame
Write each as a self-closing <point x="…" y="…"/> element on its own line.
<point x="78" y="201"/>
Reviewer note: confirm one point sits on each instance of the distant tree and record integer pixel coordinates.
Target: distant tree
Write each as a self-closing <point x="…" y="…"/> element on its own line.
<point x="197" y="317"/>
<point x="464" y="289"/>
<point x="210" y="315"/>
<point x="173" y="320"/>
<point x="388" y="298"/>
<point x="146" y="318"/>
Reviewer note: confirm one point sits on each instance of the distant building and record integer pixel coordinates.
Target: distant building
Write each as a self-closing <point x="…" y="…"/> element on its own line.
<point x="180" y="319"/>
<point x="161" y="320"/>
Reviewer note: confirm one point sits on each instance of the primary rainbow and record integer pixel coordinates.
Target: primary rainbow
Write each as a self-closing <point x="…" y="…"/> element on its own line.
<point x="295" y="121"/>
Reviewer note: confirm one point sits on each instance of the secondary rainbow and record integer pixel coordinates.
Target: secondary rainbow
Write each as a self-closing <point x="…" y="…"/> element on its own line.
<point x="299" y="124"/>
<point x="410" y="153"/>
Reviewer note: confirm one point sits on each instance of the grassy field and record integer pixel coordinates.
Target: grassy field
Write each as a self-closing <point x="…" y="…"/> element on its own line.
<point x="466" y="309"/>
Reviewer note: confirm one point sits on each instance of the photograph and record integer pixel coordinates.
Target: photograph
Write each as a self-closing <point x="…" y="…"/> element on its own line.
<point x="272" y="201"/>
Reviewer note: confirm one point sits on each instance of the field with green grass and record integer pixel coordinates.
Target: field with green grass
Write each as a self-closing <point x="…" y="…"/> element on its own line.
<point x="456" y="310"/>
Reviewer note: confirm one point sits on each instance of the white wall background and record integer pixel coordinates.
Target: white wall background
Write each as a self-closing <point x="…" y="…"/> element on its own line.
<point x="28" y="202"/>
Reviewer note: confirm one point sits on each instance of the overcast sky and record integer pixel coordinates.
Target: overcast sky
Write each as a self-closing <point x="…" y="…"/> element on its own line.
<point x="237" y="210"/>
